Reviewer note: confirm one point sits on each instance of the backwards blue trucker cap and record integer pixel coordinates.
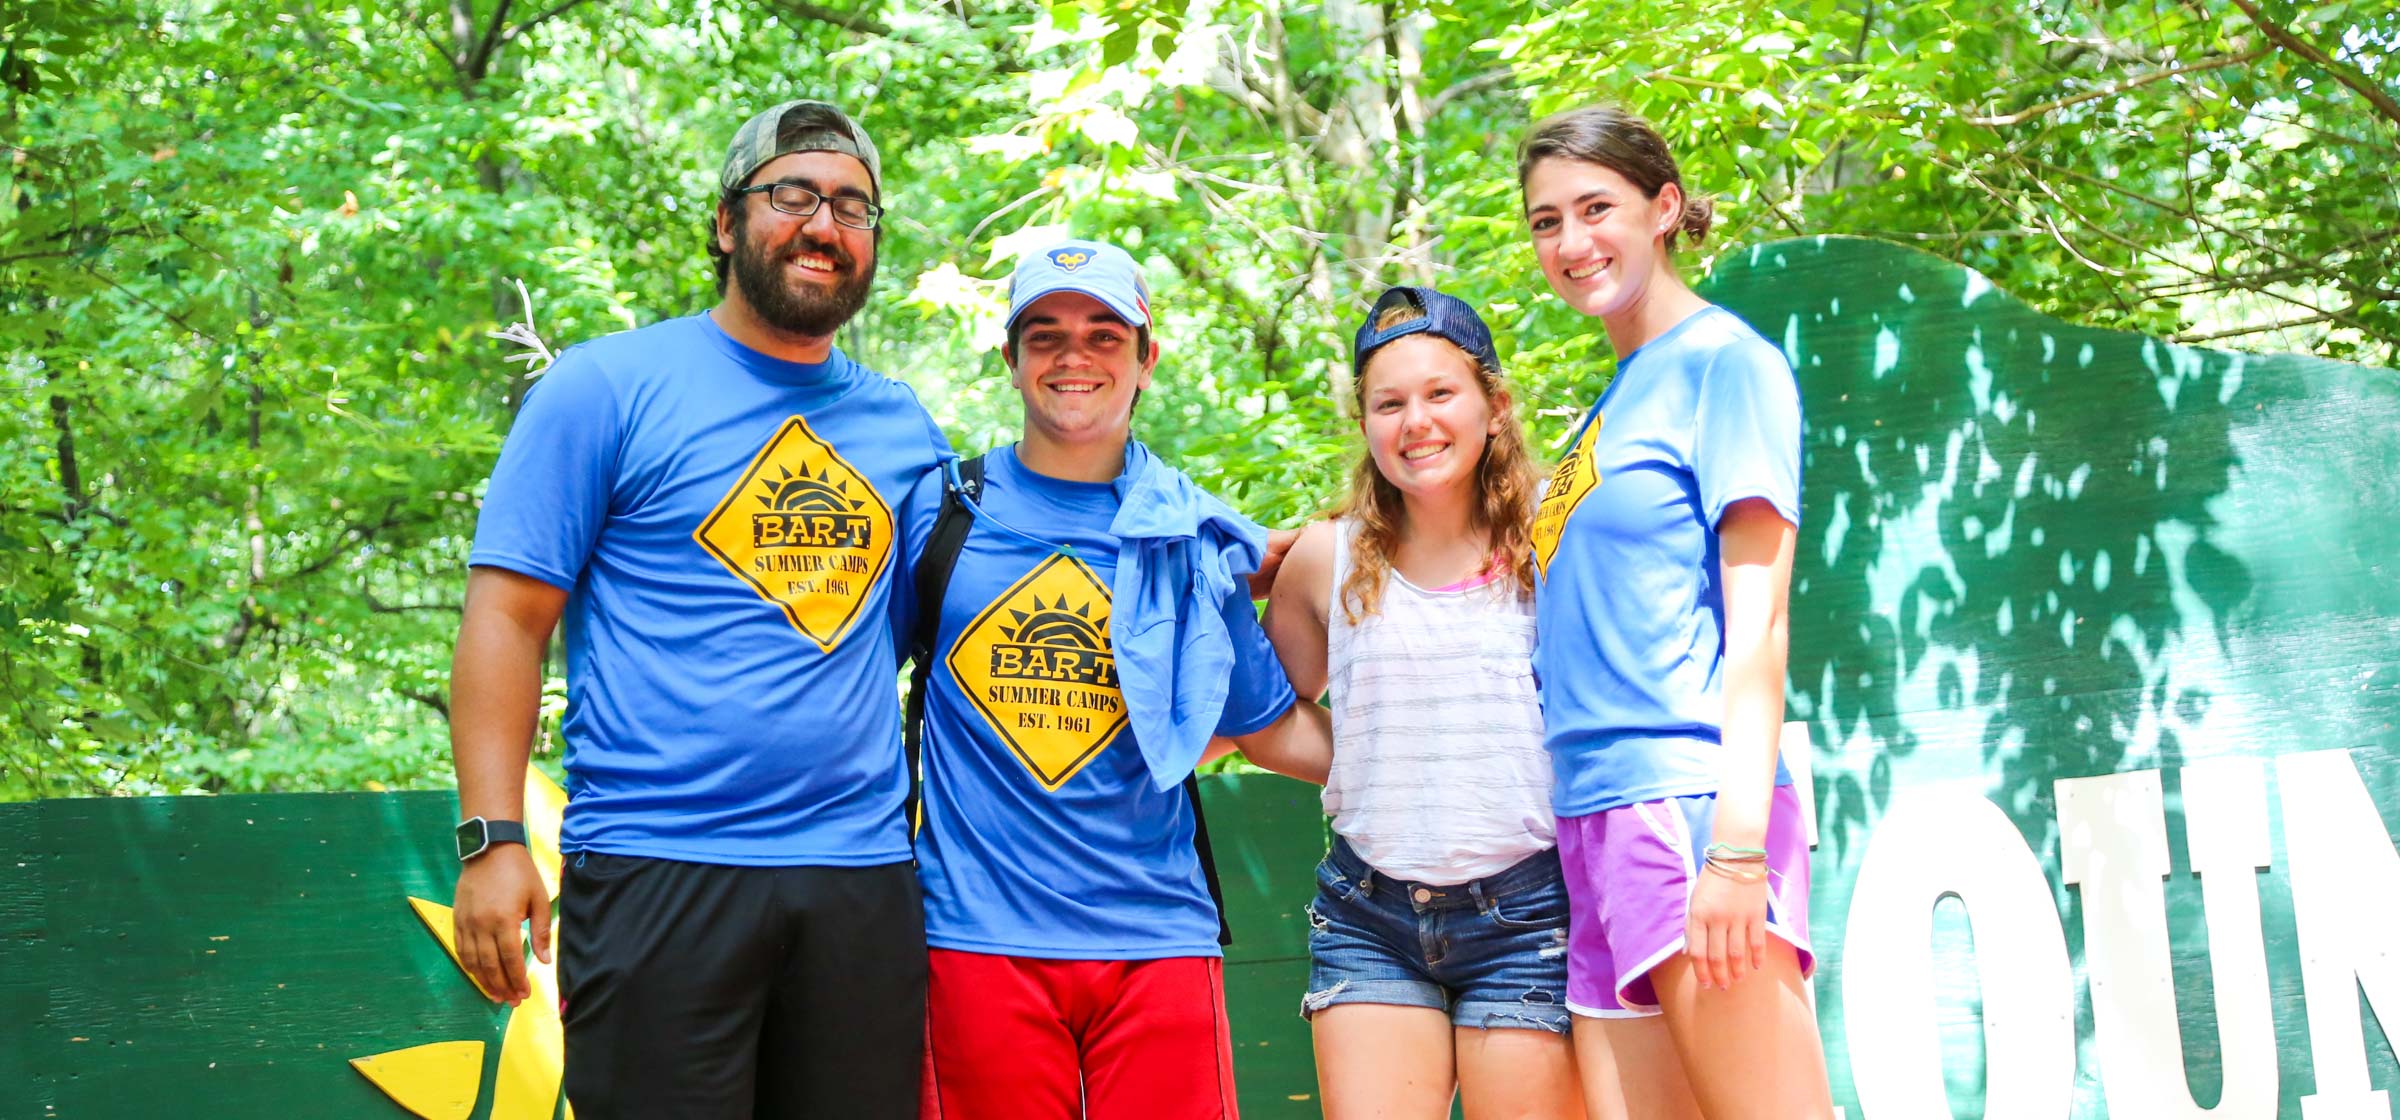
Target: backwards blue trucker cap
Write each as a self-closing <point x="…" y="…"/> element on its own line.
<point x="1446" y="317"/>
<point x="1103" y="272"/>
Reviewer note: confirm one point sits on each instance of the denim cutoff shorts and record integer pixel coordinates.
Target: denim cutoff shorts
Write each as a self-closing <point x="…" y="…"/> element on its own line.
<point x="1491" y="952"/>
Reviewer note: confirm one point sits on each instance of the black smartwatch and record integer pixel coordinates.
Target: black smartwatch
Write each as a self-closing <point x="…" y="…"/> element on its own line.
<point x="476" y="835"/>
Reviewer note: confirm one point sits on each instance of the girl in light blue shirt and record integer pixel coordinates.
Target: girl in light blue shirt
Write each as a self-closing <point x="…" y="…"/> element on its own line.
<point x="1663" y="549"/>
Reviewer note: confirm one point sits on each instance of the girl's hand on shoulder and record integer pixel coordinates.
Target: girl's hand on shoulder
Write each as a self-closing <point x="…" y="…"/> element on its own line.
<point x="1295" y="618"/>
<point x="1279" y="543"/>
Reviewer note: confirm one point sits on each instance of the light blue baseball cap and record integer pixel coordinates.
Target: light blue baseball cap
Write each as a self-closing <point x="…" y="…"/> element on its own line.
<point x="1103" y="272"/>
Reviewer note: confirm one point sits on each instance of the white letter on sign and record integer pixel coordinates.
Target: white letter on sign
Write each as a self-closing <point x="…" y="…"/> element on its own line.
<point x="2113" y="842"/>
<point x="1936" y="843"/>
<point x="2346" y="899"/>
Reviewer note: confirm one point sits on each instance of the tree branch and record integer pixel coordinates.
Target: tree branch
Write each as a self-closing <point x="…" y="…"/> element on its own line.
<point x="391" y="519"/>
<point x="1489" y="79"/>
<point x="521" y="30"/>
<point x="430" y="700"/>
<point x="2220" y="279"/>
<point x="848" y="21"/>
<point x="2139" y="250"/>
<point x="2283" y="36"/>
<point x="2108" y="49"/>
<point x="250" y="617"/>
<point x="2060" y="236"/>
<point x="162" y="312"/>
<point x="2259" y="328"/>
<point x="487" y="44"/>
<point x="2342" y="282"/>
<point x="239" y="636"/>
<point x="1695" y="83"/>
<point x="2011" y="203"/>
<point x="439" y="51"/>
<point x="2031" y="112"/>
<point x="2162" y="205"/>
<point x="378" y="606"/>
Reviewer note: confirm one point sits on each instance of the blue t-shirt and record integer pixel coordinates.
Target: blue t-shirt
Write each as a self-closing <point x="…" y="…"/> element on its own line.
<point x="1629" y="615"/>
<point x="1044" y="835"/>
<point x="724" y="524"/>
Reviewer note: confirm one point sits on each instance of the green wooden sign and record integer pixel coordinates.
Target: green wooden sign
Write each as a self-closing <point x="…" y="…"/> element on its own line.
<point x="2096" y="645"/>
<point x="2095" y="669"/>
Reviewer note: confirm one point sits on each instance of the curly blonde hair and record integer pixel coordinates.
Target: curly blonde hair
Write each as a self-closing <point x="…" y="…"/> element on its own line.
<point x="1504" y="483"/>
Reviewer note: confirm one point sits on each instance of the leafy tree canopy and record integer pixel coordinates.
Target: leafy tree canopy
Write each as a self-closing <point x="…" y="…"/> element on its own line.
<point x="255" y="252"/>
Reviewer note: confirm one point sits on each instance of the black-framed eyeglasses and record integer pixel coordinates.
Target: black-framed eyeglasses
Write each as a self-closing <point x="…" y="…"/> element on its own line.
<point x="801" y="202"/>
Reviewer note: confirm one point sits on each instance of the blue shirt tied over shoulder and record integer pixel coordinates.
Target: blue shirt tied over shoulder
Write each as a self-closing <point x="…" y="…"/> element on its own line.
<point x="1183" y="555"/>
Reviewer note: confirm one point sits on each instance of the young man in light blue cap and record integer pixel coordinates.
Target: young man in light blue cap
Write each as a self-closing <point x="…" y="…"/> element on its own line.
<point x="1092" y="634"/>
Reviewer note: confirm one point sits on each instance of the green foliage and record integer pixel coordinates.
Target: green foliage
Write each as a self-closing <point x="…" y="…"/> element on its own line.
<point x="255" y="250"/>
<point x="2165" y="170"/>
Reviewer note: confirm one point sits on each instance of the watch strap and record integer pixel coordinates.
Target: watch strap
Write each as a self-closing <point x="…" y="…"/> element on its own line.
<point x="476" y="835"/>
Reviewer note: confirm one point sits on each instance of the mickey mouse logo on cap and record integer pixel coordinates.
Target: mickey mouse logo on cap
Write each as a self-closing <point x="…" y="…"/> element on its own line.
<point x="1068" y="260"/>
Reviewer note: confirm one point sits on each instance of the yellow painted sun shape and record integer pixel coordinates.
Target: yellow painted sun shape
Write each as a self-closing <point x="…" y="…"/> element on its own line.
<point x="443" y="1080"/>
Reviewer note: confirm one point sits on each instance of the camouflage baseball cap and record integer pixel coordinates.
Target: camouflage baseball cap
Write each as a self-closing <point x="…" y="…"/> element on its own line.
<point x="798" y="126"/>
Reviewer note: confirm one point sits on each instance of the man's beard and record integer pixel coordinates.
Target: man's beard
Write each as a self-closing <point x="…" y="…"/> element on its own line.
<point x="794" y="305"/>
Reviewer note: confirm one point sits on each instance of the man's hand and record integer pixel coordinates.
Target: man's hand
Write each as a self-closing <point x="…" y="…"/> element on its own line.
<point x="1279" y="542"/>
<point x="498" y="892"/>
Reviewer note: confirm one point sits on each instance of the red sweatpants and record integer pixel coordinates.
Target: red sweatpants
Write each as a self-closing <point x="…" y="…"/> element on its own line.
<point x="1017" y="1038"/>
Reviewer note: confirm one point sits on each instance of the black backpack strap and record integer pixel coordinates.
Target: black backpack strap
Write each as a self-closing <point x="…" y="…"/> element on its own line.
<point x="1208" y="857"/>
<point x="934" y="566"/>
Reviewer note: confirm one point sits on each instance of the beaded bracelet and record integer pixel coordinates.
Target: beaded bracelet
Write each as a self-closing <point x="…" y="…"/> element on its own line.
<point x="1734" y="874"/>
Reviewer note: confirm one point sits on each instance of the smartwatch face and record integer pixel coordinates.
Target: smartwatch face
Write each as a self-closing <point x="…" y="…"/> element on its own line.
<point x="471" y="839"/>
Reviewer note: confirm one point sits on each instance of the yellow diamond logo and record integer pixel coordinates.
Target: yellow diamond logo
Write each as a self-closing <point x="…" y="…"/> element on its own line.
<point x="1573" y="478"/>
<point x="805" y="530"/>
<point x="1037" y="665"/>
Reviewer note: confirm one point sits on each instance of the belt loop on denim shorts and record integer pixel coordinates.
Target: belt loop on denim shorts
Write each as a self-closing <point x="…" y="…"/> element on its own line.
<point x="1347" y="860"/>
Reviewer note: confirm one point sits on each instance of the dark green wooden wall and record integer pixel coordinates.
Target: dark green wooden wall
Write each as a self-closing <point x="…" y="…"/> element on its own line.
<point x="228" y="956"/>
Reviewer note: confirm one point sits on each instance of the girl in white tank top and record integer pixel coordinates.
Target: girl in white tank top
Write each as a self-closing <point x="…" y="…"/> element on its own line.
<point x="1438" y="935"/>
<point x="1438" y="775"/>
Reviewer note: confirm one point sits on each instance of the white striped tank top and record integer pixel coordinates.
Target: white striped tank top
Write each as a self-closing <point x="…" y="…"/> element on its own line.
<point x="1439" y="774"/>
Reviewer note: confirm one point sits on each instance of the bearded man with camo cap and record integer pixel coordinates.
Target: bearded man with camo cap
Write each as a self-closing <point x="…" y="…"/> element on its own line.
<point x="708" y="503"/>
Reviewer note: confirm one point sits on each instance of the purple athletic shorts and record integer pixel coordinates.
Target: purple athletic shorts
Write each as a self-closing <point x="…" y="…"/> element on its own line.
<point x="1630" y="874"/>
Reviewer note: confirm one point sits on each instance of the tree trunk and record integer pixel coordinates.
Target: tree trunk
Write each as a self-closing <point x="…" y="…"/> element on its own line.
<point x="1407" y="36"/>
<point x="1317" y="282"/>
<point x="70" y="477"/>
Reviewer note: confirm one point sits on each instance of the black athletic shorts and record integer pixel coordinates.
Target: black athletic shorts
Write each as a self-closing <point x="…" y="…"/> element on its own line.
<point x="699" y="990"/>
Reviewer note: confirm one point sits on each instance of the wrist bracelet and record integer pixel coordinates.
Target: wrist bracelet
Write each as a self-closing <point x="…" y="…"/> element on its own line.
<point x="1736" y="853"/>
<point x="1735" y="874"/>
